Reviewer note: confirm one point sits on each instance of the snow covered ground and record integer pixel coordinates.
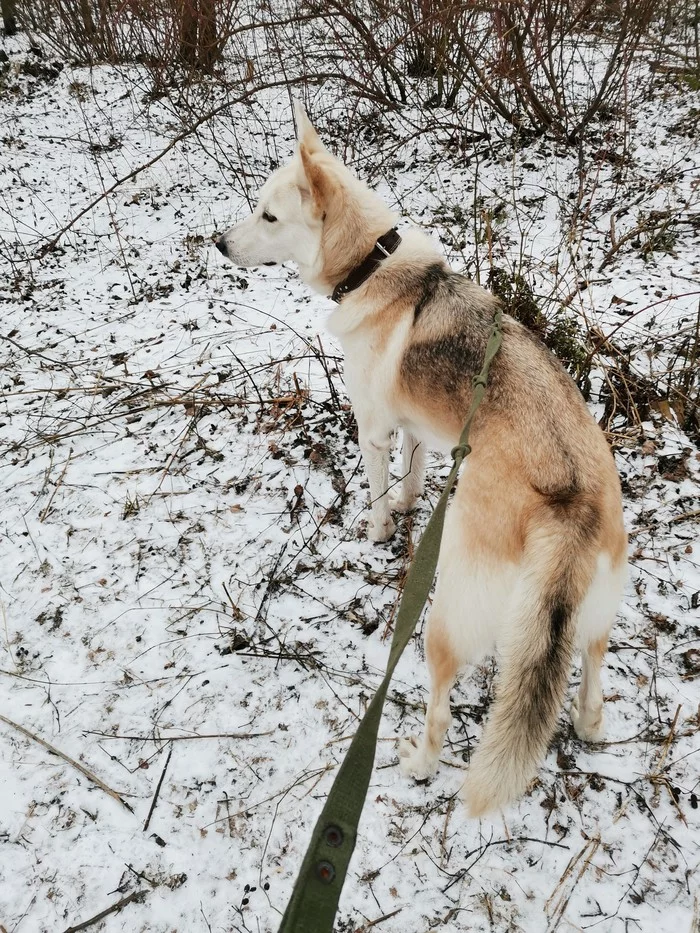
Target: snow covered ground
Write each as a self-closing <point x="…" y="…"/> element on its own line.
<point x="190" y="610"/>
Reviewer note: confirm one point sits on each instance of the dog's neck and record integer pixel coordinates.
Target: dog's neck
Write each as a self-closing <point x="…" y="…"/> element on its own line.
<point x="383" y="247"/>
<point x="336" y="260"/>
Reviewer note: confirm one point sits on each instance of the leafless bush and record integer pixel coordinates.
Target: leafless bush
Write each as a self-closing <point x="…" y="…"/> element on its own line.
<point x="545" y="67"/>
<point x="163" y="34"/>
<point x="629" y="395"/>
<point x="81" y="30"/>
<point x="676" y="41"/>
<point x="535" y="63"/>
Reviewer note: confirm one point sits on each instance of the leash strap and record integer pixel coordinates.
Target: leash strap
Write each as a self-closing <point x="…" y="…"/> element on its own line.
<point x="314" y="901"/>
<point x="387" y="244"/>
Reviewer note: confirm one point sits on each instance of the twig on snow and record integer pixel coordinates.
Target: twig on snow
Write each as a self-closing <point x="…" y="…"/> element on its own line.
<point x="56" y="487"/>
<point x="188" y="131"/>
<point x="557" y="908"/>
<point x="374" y="923"/>
<point x="158" y="787"/>
<point x="71" y="761"/>
<point x="181" y="738"/>
<point x="134" y="896"/>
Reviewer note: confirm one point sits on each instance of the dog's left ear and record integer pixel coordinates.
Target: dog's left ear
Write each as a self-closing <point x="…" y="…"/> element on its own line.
<point x="318" y="184"/>
<point x="306" y="134"/>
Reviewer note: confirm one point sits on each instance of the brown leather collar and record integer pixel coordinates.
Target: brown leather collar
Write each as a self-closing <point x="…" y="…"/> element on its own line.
<point x="384" y="247"/>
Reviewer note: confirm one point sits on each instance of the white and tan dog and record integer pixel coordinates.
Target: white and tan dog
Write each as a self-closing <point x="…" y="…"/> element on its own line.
<point x="533" y="558"/>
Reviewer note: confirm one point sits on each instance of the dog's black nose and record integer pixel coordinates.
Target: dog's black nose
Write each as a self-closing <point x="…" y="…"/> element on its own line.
<point x="221" y="246"/>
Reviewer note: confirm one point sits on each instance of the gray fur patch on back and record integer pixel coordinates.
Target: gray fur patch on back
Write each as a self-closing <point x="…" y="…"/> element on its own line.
<point x="452" y="322"/>
<point x="527" y="384"/>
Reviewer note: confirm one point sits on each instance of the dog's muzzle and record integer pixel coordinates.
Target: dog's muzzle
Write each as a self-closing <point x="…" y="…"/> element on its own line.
<point x="221" y="246"/>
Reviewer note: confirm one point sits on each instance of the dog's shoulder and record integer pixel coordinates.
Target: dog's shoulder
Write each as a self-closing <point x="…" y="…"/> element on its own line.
<point x="452" y="318"/>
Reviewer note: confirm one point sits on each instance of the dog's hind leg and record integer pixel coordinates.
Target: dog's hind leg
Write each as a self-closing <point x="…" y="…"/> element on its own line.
<point x="587" y="707"/>
<point x="403" y="497"/>
<point x="419" y="758"/>
<point x="596" y="617"/>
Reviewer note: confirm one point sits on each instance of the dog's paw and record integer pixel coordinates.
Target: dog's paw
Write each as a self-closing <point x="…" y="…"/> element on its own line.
<point x="587" y="730"/>
<point x="413" y="761"/>
<point x="401" y="500"/>
<point x="380" y="531"/>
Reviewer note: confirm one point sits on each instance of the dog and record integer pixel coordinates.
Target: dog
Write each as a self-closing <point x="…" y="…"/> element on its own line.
<point x="533" y="560"/>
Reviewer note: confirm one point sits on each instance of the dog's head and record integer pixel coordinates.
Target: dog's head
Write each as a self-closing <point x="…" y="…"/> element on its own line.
<point x="313" y="211"/>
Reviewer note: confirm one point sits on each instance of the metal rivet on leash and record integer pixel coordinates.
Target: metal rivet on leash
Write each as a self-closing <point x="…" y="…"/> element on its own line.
<point x="334" y="836"/>
<point x="325" y="872"/>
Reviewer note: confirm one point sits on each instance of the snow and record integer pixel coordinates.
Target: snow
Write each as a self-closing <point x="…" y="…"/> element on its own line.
<point x="183" y="564"/>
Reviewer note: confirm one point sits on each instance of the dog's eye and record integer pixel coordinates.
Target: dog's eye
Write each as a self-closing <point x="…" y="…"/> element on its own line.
<point x="269" y="218"/>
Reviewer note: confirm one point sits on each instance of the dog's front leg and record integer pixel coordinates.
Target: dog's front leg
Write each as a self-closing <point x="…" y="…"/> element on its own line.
<point x="375" y="456"/>
<point x="404" y="498"/>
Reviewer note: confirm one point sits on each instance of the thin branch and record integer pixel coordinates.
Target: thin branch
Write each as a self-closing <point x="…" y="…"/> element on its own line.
<point x="182" y="738"/>
<point x="158" y="787"/>
<point x="137" y="896"/>
<point x="59" y="754"/>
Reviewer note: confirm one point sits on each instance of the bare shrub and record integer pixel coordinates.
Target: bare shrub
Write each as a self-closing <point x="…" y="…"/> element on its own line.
<point x="545" y="69"/>
<point x="536" y="63"/>
<point x="81" y="31"/>
<point x="163" y="34"/>
<point x="629" y="396"/>
<point x="676" y="41"/>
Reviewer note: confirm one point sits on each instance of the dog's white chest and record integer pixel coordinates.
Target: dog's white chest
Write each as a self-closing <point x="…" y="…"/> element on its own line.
<point x="373" y="352"/>
<point x="372" y="366"/>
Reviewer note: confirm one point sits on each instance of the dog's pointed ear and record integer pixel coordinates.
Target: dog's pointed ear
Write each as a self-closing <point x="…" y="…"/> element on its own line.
<point x="317" y="183"/>
<point x="306" y="134"/>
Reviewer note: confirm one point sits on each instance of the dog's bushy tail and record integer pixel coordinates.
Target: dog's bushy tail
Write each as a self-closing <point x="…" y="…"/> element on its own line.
<point x="534" y="661"/>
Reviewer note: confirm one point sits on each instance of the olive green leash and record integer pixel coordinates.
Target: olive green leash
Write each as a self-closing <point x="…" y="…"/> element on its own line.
<point x="314" y="901"/>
